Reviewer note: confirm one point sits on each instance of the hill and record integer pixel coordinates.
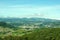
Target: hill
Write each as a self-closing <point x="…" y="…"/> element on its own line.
<point x="44" y="34"/>
<point x="29" y="29"/>
<point x="31" y="22"/>
<point x="38" y="34"/>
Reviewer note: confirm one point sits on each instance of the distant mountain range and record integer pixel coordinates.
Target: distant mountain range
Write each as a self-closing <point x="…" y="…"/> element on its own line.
<point x="39" y="22"/>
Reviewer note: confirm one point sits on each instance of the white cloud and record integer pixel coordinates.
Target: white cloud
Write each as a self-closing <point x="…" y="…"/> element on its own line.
<point x="30" y="11"/>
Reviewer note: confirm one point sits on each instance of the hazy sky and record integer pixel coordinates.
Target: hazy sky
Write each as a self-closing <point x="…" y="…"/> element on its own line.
<point x="30" y="8"/>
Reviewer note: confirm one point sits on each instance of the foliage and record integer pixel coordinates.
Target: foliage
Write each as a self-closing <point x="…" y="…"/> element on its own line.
<point x="39" y="34"/>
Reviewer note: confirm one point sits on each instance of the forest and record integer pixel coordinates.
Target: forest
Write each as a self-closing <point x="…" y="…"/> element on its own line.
<point x="29" y="29"/>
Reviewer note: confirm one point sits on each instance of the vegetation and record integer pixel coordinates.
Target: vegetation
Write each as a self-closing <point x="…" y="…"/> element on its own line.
<point x="45" y="34"/>
<point x="29" y="29"/>
<point x="40" y="34"/>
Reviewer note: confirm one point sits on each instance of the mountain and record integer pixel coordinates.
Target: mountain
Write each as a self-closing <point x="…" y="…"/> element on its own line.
<point x="31" y="22"/>
<point x="28" y="28"/>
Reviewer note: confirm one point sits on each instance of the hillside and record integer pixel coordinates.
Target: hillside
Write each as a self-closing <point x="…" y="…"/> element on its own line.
<point x="29" y="29"/>
<point x="39" y="34"/>
<point x="44" y="34"/>
<point x="34" y="22"/>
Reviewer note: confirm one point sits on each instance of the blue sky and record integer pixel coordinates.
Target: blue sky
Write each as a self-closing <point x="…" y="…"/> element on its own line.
<point x="30" y="8"/>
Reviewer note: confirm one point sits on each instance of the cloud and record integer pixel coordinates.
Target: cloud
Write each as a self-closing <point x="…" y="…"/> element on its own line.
<point x="31" y="11"/>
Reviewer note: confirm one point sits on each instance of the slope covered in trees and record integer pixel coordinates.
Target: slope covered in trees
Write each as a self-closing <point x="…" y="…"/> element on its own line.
<point x="29" y="29"/>
<point x="39" y="34"/>
<point x="45" y="34"/>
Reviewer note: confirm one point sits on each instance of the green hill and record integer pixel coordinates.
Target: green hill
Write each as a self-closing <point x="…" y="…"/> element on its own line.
<point x="29" y="29"/>
<point x="38" y="34"/>
<point x="45" y="34"/>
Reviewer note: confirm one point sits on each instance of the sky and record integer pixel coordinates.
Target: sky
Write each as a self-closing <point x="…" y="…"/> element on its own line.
<point x="30" y="8"/>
